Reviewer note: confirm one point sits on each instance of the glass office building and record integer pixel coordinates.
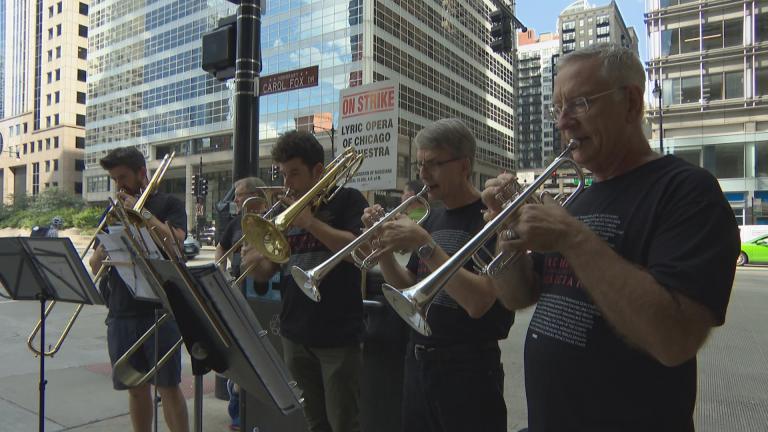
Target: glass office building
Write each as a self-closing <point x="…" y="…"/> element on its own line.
<point x="147" y="89"/>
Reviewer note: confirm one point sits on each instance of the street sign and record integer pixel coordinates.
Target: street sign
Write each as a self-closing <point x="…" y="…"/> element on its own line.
<point x="286" y="81"/>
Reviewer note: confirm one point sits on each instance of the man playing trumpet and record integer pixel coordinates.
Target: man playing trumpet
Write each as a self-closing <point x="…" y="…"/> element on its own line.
<point x="630" y="278"/>
<point x="129" y="318"/>
<point x="453" y="379"/>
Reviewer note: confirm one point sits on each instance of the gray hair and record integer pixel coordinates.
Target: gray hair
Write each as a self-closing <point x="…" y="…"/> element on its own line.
<point x="449" y="134"/>
<point x="620" y="65"/>
<point x="251" y="184"/>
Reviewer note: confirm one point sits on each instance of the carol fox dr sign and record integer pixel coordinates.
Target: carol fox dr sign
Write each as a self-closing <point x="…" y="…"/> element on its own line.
<point x="368" y="121"/>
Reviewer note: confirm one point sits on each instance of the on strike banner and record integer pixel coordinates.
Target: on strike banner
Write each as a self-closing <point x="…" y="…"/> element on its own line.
<point x="368" y="121"/>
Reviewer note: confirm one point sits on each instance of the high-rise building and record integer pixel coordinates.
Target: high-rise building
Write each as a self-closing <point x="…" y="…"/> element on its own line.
<point x="147" y="88"/>
<point x="707" y="62"/>
<point x="44" y="91"/>
<point x="582" y="24"/>
<point x="535" y="132"/>
<point x="2" y="62"/>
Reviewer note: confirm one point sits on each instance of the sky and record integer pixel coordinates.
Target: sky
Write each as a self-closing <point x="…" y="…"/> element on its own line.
<point x="541" y="15"/>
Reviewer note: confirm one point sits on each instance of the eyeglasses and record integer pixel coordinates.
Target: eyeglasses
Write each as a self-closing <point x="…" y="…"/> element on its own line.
<point x="576" y="107"/>
<point x="430" y="165"/>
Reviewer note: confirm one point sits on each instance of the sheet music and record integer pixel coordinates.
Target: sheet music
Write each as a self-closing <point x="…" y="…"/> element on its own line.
<point x="123" y="261"/>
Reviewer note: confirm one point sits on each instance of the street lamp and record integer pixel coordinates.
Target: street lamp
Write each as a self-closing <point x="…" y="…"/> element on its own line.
<point x="331" y="133"/>
<point x="657" y="93"/>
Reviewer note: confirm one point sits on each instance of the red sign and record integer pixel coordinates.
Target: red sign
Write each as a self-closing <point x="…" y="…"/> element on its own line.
<point x="286" y="81"/>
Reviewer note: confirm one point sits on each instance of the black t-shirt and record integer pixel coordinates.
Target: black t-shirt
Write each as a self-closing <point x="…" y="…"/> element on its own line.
<point x="119" y="299"/>
<point x="671" y="219"/>
<point x="337" y="320"/>
<point x="450" y="323"/>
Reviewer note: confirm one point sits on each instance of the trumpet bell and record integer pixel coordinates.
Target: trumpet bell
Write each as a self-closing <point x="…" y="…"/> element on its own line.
<point x="407" y="307"/>
<point x="266" y="238"/>
<point x="307" y="282"/>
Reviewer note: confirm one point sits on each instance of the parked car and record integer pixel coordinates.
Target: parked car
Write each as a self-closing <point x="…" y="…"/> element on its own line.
<point x="191" y="247"/>
<point x="754" y="251"/>
<point x="208" y="236"/>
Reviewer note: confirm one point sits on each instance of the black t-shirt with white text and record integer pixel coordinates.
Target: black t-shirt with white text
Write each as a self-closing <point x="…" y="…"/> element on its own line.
<point x="120" y="301"/>
<point x="337" y="320"/>
<point x="670" y="219"/>
<point x="449" y="322"/>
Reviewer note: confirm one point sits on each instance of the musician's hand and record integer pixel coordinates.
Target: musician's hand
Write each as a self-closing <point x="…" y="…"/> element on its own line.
<point x="371" y="215"/>
<point x="303" y="220"/>
<point x="126" y="199"/>
<point x="543" y="228"/>
<point x="402" y="233"/>
<point x="495" y="194"/>
<point x="250" y="257"/>
<point x="97" y="258"/>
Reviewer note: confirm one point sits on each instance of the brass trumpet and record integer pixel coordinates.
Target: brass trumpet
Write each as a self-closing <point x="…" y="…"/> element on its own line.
<point x="135" y="213"/>
<point x="309" y="281"/>
<point x="267" y="236"/>
<point x="413" y="303"/>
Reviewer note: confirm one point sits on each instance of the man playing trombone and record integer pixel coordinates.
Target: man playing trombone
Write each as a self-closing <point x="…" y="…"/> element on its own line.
<point x="630" y="278"/>
<point x="453" y="378"/>
<point x="321" y="340"/>
<point x="129" y="318"/>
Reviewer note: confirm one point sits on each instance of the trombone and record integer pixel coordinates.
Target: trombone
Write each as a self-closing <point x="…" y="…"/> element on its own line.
<point x="309" y="280"/>
<point x="108" y="218"/>
<point x="266" y="235"/>
<point x="413" y="303"/>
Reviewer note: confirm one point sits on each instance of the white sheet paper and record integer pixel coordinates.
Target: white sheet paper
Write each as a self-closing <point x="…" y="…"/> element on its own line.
<point x="123" y="260"/>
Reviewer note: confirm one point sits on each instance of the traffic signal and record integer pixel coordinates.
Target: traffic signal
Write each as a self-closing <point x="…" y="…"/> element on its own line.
<point x="274" y="172"/>
<point x="194" y="190"/>
<point x="203" y="186"/>
<point x="501" y="31"/>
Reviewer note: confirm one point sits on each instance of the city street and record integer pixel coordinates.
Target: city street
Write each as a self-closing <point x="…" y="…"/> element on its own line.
<point x="733" y="370"/>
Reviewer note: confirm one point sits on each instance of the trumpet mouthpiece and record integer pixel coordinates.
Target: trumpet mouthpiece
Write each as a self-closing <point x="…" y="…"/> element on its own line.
<point x="573" y="144"/>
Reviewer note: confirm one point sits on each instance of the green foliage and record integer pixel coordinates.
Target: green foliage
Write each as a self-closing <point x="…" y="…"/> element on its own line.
<point x="29" y="211"/>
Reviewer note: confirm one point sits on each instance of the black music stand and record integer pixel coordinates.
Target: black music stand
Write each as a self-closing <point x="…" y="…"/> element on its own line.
<point x="222" y="333"/>
<point x="45" y="269"/>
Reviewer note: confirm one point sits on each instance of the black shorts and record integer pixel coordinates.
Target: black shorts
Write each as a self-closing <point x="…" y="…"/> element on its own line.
<point x="122" y="333"/>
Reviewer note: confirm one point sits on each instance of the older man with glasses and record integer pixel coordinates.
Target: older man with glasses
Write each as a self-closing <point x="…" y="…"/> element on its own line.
<point x="629" y="280"/>
<point x="454" y="380"/>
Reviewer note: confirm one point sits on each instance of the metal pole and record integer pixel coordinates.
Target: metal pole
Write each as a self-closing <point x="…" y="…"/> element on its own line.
<point x="333" y="134"/>
<point x="661" y="121"/>
<point x="246" y="103"/>
<point x="43" y="382"/>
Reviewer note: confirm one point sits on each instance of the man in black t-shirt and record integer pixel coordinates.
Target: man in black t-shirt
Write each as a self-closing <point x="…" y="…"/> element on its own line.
<point x="454" y="379"/>
<point x="629" y="280"/>
<point x="129" y="318"/>
<point x="244" y="188"/>
<point x="321" y="341"/>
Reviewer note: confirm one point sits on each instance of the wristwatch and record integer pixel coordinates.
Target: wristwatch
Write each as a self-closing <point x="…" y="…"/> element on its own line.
<point x="426" y="250"/>
<point x="146" y="214"/>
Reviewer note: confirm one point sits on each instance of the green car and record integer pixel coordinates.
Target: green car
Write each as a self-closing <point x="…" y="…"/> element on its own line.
<point x="754" y="251"/>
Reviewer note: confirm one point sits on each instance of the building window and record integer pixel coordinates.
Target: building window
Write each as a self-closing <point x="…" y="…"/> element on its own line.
<point x="58" y="52"/>
<point x="32" y="147"/>
<point x="25" y="148"/>
<point x="83" y="9"/>
<point x="81" y="75"/>
<point x="55" y="165"/>
<point x="57" y="96"/>
<point x="35" y="178"/>
<point x="761" y="78"/>
<point x="58" y="74"/>
<point x="98" y="183"/>
<point x="78" y="187"/>
<point x="55" y="142"/>
<point x="47" y="166"/>
<point x="58" y="29"/>
<point x="80" y="142"/>
<point x="39" y="145"/>
<point x="761" y="26"/>
<point x="50" y="55"/>
<point x="25" y="127"/>
<point x="713" y="87"/>
<point x="50" y="33"/>
<point x="690" y="90"/>
<point x="761" y="159"/>
<point x="56" y="119"/>
<point x="79" y="165"/>
<point x="733" y="32"/>
<point x="50" y="11"/>
<point x="81" y="98"/>
<point x="58" y="7"/>
<point x="47" y="121"/>
<point x="50" y="77"/>
<point x="734" y="85"/>
<point x="692" y="156"/>
<point x="82" y="31"/>
<point x="48" y="99"/>
<point x="80" y="120"/>
<point x="724" y="160"/>
<point x="47" y="143"/>
<point x="82" y="53"/>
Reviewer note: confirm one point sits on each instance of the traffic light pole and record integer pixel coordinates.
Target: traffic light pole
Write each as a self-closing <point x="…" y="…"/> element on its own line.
<point x="245" y="122"/>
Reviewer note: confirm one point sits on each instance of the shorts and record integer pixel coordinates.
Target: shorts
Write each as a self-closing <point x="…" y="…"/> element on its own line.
<point x="122" y="333"/>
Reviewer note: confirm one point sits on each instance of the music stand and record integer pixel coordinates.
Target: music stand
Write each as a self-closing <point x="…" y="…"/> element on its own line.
<point x="218" y="327"/>
<point x="45" y="269"/>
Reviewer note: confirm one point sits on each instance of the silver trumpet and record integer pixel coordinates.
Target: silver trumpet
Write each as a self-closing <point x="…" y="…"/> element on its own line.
<point x="413" y="303"/>
<point x="309" y="280"/>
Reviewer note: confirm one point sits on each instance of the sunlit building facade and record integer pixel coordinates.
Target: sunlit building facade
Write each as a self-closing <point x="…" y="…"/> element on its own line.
<point x="710" y="63"/>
